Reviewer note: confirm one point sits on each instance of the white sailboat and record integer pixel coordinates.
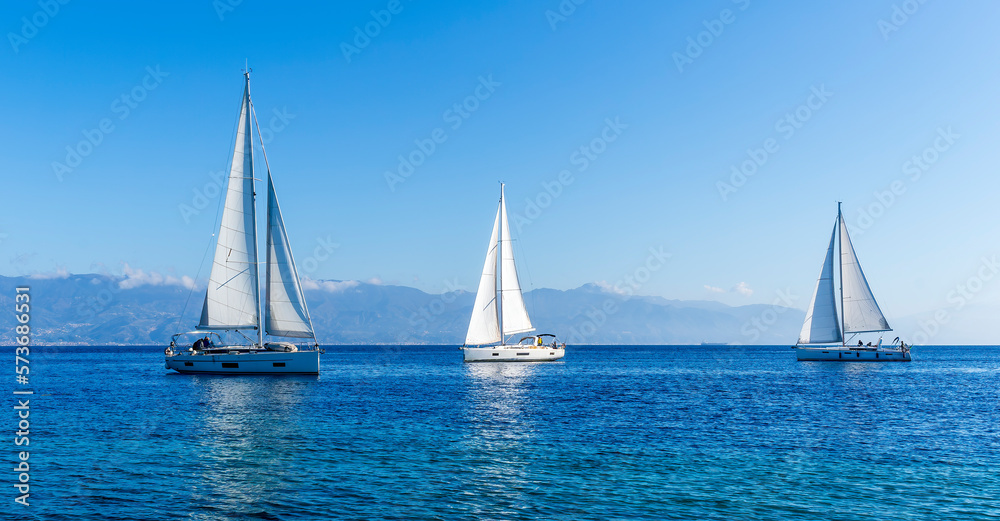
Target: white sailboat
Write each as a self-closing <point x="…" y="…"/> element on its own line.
<point x="824" y="335"/>
<point x="499" y="311"/>
<point x="232" y="299"/>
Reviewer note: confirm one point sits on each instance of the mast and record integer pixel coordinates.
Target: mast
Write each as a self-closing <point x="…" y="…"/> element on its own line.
<point x="840" y="264"/>
<point x="498" y="278"/>
<point x="253" y="201"/>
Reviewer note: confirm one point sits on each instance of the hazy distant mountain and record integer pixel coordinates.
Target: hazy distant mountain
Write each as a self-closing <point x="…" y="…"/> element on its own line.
<point x="98" y="309"/>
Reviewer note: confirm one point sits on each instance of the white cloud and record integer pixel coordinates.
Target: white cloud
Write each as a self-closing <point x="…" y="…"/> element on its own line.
<point x="137" y="277"/>
<point x="60" y="273"/>
<point x="374" y="281"/>
<point x="743" y="289"/>
<point x="609" y="288"/>
<point x="330" y="286"/>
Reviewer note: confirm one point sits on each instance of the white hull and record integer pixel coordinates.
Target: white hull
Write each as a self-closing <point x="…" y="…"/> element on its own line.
<point x="246" y="362"/>
<point x="848" y="354"/>
<point x="513" y="353"/>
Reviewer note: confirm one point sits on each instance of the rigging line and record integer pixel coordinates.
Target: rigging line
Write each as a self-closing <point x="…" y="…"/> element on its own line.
<point x="267" y="165"/>
<point x="194" y="286"/>
<point x="229" y="160"/>
<point x="216" y="223"/>
<point x="526" y="265"/>
<point x="260" y="138"/>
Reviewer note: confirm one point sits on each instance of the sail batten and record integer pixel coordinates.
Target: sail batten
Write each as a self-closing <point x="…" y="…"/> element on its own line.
<point x="822" y="324"/>
<point x="861" y="312"/>
<point x="285" y="310"/>
<point x="232" y="300"/>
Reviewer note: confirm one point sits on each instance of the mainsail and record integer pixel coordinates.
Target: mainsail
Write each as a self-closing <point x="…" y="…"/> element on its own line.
<point x="821" y="325"/>
<point x="232" y="300"/>
<point x="484" y="327"/>
<point x="861" y="312"/>
<point x="515" y="316"/>
<point x="286" y="313"/>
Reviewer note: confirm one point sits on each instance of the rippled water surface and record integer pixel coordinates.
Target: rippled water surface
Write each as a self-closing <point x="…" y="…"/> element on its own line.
<point x="708" y="432"/>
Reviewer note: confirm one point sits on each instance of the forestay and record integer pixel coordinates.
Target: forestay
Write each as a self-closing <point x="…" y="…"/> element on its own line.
<point x="861" y="312"/>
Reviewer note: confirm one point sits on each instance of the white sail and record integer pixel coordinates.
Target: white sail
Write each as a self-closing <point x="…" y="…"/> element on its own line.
<point x="285" y="310"/>
<point x="232" y="300"/>
<point x="484" y="327"/>
<point x="821" y="324"/>
<point x="861" y="312"/>
<point x="515" y="317"/>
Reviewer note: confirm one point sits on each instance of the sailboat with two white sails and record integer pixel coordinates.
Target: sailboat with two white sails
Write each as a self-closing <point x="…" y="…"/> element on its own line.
<point x="859" y="312"/>
<point x="232" y="300"/>
<point x="499" y="311"/>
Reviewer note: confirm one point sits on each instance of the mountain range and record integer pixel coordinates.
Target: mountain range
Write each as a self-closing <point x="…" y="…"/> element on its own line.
<point x="95" y="309"/>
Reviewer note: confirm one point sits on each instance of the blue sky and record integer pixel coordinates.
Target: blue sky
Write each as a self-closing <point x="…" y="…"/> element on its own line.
<point x="891" y="86"/>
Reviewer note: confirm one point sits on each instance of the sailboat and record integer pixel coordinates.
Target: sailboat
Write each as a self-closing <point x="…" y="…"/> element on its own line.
<point x="232" y="299"/>
<point x="499" y="313"/>
<point x="859" y="312"/>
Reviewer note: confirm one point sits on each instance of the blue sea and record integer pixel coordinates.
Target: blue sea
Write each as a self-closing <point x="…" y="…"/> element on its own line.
<point x="611" y="432"/>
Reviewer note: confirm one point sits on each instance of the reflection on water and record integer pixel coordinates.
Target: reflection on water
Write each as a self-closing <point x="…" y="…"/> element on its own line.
<point x="500" y="407"/>
<point x="498" y="398"/>
<point x="250" y="429"/>
<point x="651" y="433"/>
